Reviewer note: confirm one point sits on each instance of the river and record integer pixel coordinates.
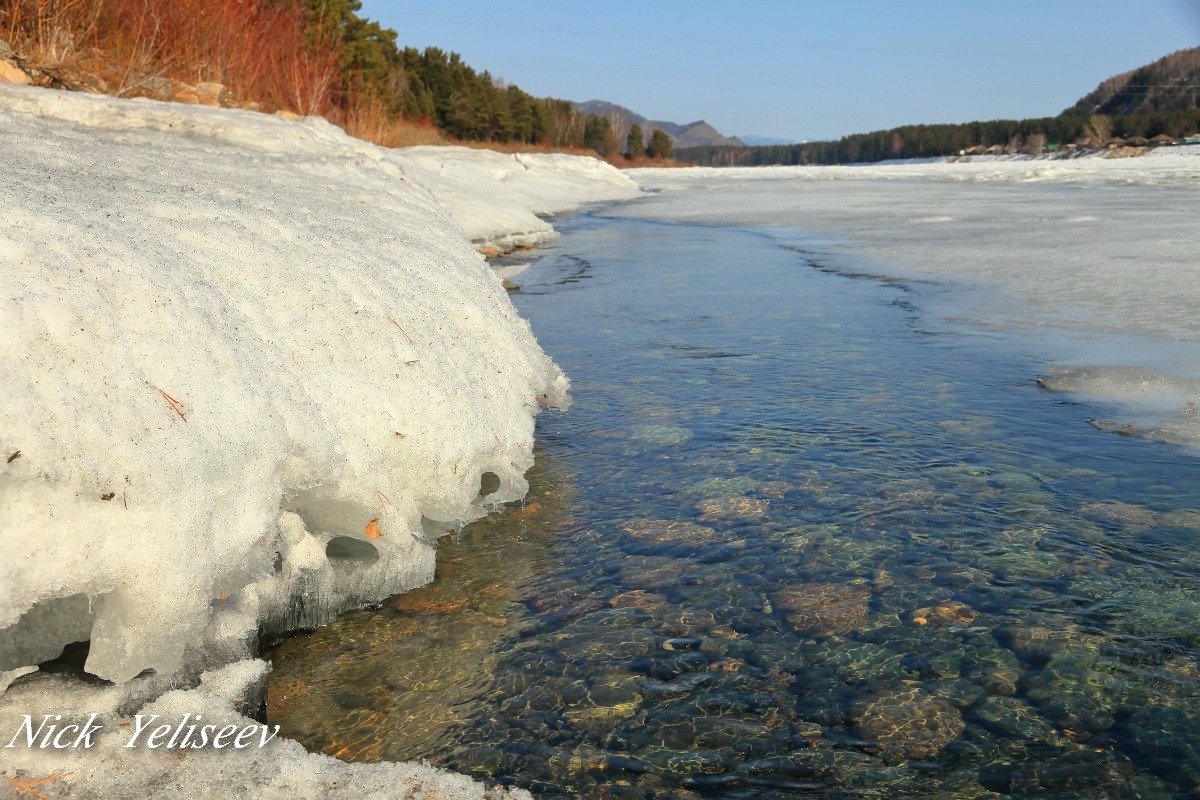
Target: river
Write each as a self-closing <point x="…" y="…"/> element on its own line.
<point x="796" y="537"/>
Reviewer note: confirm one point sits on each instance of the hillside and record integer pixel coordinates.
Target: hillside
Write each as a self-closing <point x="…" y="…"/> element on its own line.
<point x="1161" y="99"/>
<point x="1169" y="84"/>
<point x="298" y="57"/>
<point x="692" y="134"/>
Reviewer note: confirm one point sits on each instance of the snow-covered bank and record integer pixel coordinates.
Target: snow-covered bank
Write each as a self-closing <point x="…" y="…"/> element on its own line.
<point x="252" y="369"/>
<point x="497" y="198"/>
<point x="1094" y="262"/>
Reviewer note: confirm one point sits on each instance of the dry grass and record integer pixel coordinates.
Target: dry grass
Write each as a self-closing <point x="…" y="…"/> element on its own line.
<point x="258" y="49"/>
<point x="618" y="161"/>
<point x="524" y="147"/>
<point x="621" y="162"/>
<point x="368" y="119"/>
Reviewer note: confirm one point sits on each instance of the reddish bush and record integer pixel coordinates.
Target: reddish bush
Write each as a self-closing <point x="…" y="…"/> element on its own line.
<point x="260" y="49"/>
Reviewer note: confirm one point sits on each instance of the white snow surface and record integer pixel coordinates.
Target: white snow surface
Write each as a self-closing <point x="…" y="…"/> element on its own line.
<point x="252" y="369"/>
<point x="497" y="198"/>
<point x="1091" y="262"/>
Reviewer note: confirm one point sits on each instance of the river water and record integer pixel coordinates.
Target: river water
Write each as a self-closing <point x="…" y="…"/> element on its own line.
<point x="794" y="538"/>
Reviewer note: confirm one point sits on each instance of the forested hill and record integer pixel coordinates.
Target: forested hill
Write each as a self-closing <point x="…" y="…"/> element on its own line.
<point x="926" y="141"/>
<point x="1169" y="84"/>
<point x="621" y="120"/>
<point x="1157" y="99"/>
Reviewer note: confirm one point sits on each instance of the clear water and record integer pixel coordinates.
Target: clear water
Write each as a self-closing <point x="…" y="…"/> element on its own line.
<point x="788" y="541"/>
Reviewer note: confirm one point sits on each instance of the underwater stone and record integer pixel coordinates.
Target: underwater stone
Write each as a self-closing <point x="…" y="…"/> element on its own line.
<point x="636" y="598"/>
<point x="662" y="435"/>
<point x="682" y="643"/>
<point x="959" y="693"/>
<point x="948" y="613"/>
<point x="668" y="531"/>
<point x="823" y="609"/>
<point x="644" y="572"/>
<point x="721" y="487"/>
<point x="1072" y="771"/>
<point x="732" y="508"/>
<point x="908" y="723"/>
<point x="1014" y="717"/>
<point x="1124" y="513"/>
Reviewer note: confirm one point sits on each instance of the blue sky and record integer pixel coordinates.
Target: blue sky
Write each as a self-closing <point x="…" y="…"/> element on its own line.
<point x="805" y="68"/>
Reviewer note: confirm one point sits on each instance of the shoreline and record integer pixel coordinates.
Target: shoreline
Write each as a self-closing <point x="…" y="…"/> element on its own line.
<point x="346" y="457"/>
<point x="429" y="208"/>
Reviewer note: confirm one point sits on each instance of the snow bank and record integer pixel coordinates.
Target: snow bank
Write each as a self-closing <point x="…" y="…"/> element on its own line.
<point x="252" y="370"/>
<point x="1093" y="262"/>
<point x="496" y="197"/>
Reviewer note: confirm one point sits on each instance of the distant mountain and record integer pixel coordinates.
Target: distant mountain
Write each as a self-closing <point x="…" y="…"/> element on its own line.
<point x="693" y="134"/>
<point x="762" y="141"/>
<point x="1169" y="84"/>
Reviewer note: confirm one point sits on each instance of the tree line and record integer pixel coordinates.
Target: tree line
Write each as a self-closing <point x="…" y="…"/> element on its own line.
<point x="439" y="86"/>
<point x="927" y="141"/>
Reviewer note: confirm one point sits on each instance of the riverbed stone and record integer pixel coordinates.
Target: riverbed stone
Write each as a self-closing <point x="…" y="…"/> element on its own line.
<point x="1014" y="717"/>
<point x="659" y="435"/>
<point x="616" y="644"/>
<point x="947" y="613"/>
<point x="1081" y="770"/>
<point x="908" y="722"/>
<point x="668" y="531"/>
<point x="776" y="489"/>
<point x="648" y="572"/>
<point x="637" y="598"/>
<point x="1124" y="513"/>
<point x="732" y="508"/>
<point x="822" y="609"/>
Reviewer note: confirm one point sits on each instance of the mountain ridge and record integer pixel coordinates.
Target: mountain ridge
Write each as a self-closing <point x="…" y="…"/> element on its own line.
<point x="691" y="134"/>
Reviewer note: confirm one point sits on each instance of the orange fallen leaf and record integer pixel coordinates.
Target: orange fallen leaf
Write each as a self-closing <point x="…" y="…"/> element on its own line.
<point x="373" y="529"/>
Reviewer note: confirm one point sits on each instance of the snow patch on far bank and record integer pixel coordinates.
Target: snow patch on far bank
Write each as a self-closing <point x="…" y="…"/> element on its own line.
<point x="1089" y="261"/>
<point x="1177" y="166"/>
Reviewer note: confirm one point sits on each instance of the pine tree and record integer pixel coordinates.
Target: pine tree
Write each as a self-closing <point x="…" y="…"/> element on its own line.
<point x="597" y="134"/>
<point x="660" y="144"/>
<point x="635" y="143"/>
